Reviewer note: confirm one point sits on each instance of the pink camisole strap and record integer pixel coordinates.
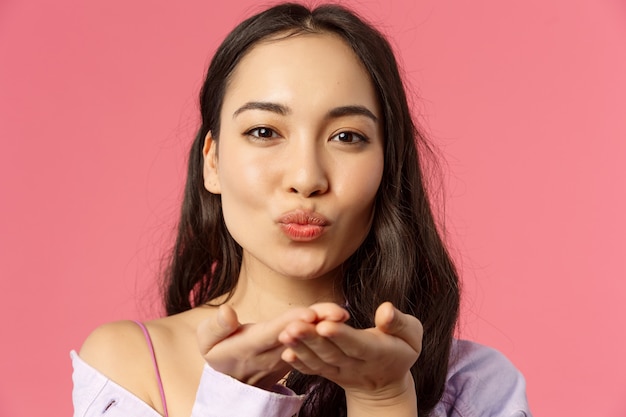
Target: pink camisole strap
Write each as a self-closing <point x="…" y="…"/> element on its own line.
<point x="156" y="366"/>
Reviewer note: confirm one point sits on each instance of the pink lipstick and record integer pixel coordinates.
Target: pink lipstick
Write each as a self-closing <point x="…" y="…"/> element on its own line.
<point x="302" y="226"/>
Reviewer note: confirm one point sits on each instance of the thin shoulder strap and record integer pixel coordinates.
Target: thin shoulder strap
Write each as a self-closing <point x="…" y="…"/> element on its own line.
<point x="156" y="366"/>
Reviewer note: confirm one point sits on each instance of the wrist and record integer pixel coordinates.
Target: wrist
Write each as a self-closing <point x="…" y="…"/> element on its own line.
<point x="397" y="399"/>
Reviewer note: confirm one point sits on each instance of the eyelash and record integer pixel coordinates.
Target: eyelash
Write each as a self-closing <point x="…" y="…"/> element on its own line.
<point x="256" y="134"/>
<point x="361" y="138"/>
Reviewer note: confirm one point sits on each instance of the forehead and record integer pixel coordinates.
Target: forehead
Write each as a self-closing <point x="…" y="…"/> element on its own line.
<point x="302" y="67"/>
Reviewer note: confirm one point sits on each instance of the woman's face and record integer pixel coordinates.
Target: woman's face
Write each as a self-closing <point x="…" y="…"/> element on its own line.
<point x="300" y="156"/>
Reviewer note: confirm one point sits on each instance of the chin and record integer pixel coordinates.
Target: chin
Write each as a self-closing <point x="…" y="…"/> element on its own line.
<point x="300" y="274"/>
<point x="304" y="273"/>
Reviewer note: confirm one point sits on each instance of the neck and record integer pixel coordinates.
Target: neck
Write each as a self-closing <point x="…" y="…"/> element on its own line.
<point x="263" y="295"/>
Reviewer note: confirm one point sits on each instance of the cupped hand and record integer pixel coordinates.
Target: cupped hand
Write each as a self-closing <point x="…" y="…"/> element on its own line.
<point x="252" y="353"/>
<point x="370" y="365"/>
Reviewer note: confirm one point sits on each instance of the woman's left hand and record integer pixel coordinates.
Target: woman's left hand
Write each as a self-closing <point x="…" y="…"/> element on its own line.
<point x="371" y="365"/>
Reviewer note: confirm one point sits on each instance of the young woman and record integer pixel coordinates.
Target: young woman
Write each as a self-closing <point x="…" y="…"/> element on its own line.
<point x="308" y="275"/>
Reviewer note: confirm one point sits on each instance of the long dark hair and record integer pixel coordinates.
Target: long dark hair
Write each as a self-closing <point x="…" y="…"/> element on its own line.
<point x="402" y="260"/>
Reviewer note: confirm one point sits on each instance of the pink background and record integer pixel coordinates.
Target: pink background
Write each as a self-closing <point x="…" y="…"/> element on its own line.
<point x="525" y="99"/>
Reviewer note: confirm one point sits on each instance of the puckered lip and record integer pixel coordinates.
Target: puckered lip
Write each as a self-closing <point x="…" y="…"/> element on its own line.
<point x="303" y="217"/>
<point x="303" y="225"/>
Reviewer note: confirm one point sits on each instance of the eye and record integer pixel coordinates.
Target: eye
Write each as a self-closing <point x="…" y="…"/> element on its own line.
<point x="262" y="133"/>
<point x="349" y="137"/>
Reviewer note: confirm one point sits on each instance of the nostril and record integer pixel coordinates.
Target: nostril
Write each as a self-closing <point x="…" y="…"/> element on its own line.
<point x="305" y="194"/>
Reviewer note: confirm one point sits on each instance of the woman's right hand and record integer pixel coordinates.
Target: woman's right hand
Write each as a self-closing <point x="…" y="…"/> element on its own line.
<point x="250" y="353"/>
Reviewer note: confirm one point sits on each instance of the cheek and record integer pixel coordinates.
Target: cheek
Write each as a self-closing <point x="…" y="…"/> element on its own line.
<point x="244" y="183"/>
<point x="359" y="191"/>
<point x="363" y="182"/>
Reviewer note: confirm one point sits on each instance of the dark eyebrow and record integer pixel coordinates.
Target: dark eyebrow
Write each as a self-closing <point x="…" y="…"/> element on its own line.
<point x="263" y="105"/>
<point x="284" y="110"/>
<point x="351" y="111"/>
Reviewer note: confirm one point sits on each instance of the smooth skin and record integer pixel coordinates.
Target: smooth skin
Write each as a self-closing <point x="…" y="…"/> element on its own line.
<point x="301" y="130"/>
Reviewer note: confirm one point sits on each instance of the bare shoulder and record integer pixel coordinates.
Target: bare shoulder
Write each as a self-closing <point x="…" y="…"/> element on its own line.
<point x="111" y="343"/>
<point x="117" y="344"/>
<point x="119" y="351"/>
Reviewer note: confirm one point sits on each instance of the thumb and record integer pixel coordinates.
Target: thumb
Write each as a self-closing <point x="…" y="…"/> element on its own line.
<point x="216" y="328"/>
<point x="392" y="321"/>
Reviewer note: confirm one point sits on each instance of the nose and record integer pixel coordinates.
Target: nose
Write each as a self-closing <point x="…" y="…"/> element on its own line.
<point x="306" y="172"/>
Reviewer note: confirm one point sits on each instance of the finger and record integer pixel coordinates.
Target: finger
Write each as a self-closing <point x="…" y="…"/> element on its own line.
<point x="267" y="333"/>
<point x="295" y="331"/>
<point x="330" y="312"/>
<point x="227" y="317"/>
<point x="217" y="328"/>
<point x="316" y="351"/>
<point x="308" y="361"/>
<point x="324" y="349"/>
<point x="290" y="357"/>
<point x="392" y="321"/>
<point x="299" y="335"/>
<point x="352" y="342"/>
